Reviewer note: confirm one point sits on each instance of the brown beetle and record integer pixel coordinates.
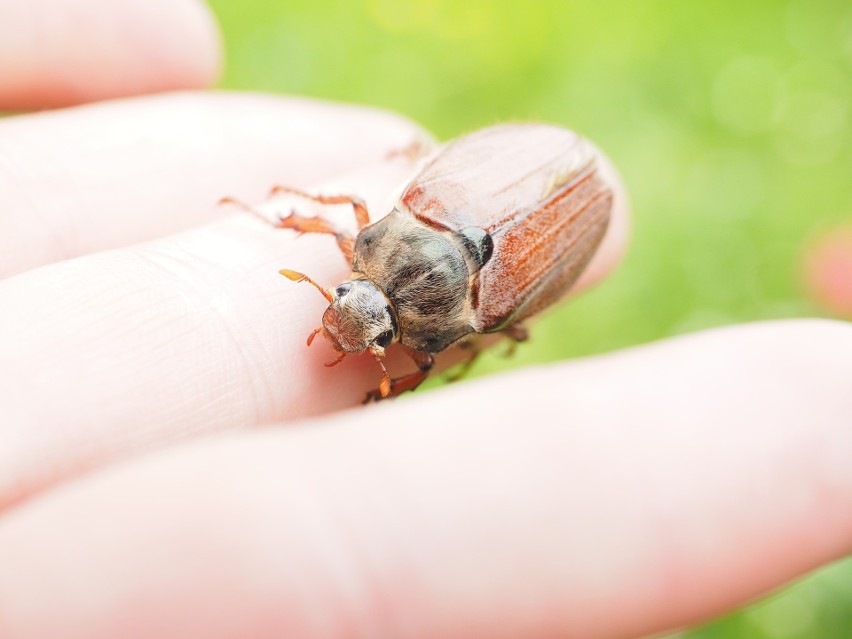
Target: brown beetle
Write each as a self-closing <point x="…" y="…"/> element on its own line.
<point x="496" y="227"/>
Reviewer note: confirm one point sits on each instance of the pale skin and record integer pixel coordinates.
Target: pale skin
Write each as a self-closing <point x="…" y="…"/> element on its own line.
<point x="611" y="497"/>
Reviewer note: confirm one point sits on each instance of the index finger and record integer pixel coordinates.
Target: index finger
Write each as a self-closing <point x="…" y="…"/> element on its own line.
<point x="188" y="335"/>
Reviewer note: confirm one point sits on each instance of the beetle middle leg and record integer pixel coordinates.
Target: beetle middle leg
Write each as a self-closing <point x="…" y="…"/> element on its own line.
<point x="516" y="334"/>
<point x="472" y="345"/>
<point x="424" y="361"/>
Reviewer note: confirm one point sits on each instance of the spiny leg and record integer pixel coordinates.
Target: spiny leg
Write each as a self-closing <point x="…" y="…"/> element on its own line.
<point x="362" y="216"/>
<point x="417" y="149"/>
<point x="424" y="362"/>
<point x="314" y="333"/>
<point x="516" y="333"/>
<point x="384" y="388"/>
<point x="473" y="347"/>
<point x="248" y="209"/>
<point x="335" y="362"/>
<point x="302" y="224"/>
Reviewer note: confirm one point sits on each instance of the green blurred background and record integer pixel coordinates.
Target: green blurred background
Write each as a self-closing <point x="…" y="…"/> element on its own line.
<point x="729" y="121"/>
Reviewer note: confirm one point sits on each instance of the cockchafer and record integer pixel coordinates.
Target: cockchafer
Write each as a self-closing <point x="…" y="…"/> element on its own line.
<point x="496" y="227"/>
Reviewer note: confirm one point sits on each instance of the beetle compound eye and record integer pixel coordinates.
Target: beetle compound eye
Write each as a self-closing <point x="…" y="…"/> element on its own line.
<point x="384" y="339"/>
<point x="343" y="289"/>
<point x="478" y="243"/>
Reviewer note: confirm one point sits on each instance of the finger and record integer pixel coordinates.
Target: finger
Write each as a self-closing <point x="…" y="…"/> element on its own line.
<point x="122" y="351"/>
<point x="60" y="53"/>
<point x="195" y="333"/>
<point x="82" y="180"/>
<point x="668" y="483"/>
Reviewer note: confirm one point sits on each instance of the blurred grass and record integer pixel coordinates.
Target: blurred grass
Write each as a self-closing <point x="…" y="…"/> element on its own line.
<point x="730" y="122"/>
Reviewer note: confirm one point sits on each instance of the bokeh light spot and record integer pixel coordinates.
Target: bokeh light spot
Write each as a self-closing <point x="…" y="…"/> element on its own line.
<point x="401" y="16"/>
<point x="725" y="184"/>
<point x="748" y="95"/>
<point x="828" y="271"/>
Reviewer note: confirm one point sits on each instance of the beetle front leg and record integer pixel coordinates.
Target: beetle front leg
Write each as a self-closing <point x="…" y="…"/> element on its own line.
<point x="424" y="361"/>
<point x="362" y="216"/>
<point x="301" y="224"/>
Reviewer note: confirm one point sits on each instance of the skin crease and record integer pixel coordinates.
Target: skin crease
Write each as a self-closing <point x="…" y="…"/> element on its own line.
<point x="625" y="494"/>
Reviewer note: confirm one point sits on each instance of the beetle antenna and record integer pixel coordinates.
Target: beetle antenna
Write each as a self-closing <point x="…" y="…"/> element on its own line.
<point x="301" y="277"/>
<point x="385" y="384"/>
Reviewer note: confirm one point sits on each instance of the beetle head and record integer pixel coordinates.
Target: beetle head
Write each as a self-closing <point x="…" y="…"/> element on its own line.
<point x="360" y="317"/>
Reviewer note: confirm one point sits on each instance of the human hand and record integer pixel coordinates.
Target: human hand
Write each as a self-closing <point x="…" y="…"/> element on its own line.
<point x="609" y="497"/>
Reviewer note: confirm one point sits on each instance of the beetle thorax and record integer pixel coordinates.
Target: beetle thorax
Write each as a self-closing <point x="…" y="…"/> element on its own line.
<point x="424" y="274"/>
<point x="360" y="317"/>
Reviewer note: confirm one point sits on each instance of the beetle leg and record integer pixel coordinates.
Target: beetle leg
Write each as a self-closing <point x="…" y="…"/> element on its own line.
<point x="245" y="207"/>
<point x="314" y="333"/>
<point x="417" y="149"/>
<point x="384" y="389"/>
<point x="424" y="362"/>
<point x="472" y="346"/>
<point x="301" y="224"/>
<point x="335" y="362"/>
<point x="516" y="334"/>
<point x="362" y="216"/>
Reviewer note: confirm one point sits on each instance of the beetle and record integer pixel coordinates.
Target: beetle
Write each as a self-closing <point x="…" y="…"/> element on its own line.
<point x="496" y="226"/>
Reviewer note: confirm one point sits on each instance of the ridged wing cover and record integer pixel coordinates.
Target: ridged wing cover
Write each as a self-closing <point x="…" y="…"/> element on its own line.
<point x="538" y="191"/>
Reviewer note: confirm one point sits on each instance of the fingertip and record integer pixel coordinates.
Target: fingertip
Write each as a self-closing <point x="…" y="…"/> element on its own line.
<point x="87" y="50"/>
<point x="200" y="47"/>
